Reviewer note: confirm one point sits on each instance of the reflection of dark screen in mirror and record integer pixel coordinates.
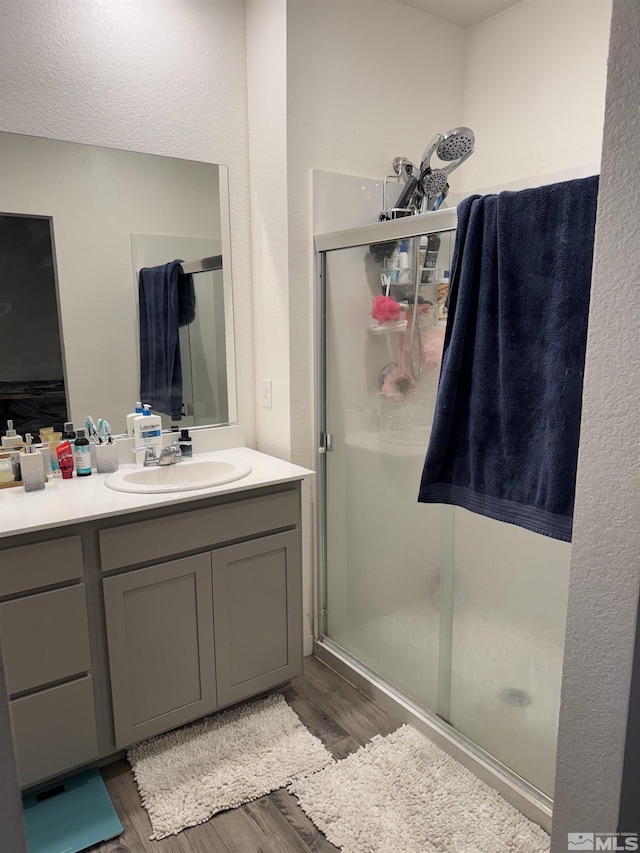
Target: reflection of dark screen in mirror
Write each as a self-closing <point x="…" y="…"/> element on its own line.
<point x="32" y="390"/>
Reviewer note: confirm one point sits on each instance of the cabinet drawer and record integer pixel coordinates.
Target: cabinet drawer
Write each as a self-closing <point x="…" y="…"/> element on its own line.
<point x="45" y="638"/>
<point x="190" y="531"/>
<point x="43" y="564"/>
<point x="54" y="730"/>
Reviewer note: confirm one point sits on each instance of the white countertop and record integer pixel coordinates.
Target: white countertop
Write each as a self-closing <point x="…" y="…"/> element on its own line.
<point x="87" y="498"/>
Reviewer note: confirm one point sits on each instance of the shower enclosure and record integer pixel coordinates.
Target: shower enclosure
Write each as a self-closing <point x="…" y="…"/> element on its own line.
<point x="453" y="620"/>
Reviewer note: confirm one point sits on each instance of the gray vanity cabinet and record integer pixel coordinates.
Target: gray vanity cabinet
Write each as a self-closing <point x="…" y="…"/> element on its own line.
<point x="189" y="635"/>
<point x="161" y="654"/>
<point x="118" y="629"/>
<point x="257" y="594"/>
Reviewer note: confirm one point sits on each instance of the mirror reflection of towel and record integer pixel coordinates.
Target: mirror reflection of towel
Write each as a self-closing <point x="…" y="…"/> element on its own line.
<point x="167" y="301"/>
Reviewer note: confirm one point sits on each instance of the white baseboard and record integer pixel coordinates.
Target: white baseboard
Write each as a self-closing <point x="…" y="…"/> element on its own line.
<point x="308" y="645"/>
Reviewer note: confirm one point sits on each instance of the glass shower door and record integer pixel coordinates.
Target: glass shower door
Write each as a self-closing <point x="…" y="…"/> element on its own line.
<point x="383" y="549"/>
<point x="461" y="613"/>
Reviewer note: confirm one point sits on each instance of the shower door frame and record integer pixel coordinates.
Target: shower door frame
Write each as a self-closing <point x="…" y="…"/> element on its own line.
<point x="529" y="800"/>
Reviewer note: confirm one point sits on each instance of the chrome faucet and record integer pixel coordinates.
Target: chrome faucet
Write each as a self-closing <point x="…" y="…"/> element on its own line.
<point x="168" y="455"/>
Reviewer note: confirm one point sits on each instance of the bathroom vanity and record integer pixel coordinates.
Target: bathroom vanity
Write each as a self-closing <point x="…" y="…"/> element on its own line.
<point x="125" y="615"/>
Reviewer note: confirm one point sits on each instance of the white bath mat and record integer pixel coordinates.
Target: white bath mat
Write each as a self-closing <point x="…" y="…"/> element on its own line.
<point x="401" y="794"/>
<point x="187" y="775"/>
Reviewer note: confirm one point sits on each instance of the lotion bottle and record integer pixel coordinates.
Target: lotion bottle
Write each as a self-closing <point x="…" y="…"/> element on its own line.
<point x="148" y="430"/>
<point x="131" y="418"/>
<point x="32" y="468"/>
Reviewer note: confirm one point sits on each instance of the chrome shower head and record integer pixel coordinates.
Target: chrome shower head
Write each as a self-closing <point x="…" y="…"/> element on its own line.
<point x="433" y="182"/>
<point x="456" y="143"/>
<point x="453" y="147"/>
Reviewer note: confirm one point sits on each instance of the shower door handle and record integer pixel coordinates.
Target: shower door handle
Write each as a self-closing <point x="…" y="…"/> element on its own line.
<point x="326" y="443"/>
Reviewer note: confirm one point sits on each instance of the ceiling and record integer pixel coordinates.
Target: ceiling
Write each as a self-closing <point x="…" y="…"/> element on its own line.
<point x="464" y="13"/>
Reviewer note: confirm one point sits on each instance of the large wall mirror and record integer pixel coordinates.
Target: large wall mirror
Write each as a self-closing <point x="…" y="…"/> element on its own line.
<point x="77" y="224"/>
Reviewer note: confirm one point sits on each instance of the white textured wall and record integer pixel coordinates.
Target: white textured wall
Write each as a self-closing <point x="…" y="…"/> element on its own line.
<point x="534" y="90"/>
<point x="267" y="99"/>
<point x="605" y="566"/>
<point x="165" y="77"/>
<point x="365" y="82"/>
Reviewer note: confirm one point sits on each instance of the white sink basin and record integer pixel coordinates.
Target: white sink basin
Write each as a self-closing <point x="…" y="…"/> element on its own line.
<point x="191" y="474"/>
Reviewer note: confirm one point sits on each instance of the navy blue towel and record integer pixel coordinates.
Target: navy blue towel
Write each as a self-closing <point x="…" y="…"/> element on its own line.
<point x="505" y="435"/>
<point x="167" y="301"/>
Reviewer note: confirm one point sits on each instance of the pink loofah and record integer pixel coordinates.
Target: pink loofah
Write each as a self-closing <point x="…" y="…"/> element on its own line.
<point x="385" y="309"/>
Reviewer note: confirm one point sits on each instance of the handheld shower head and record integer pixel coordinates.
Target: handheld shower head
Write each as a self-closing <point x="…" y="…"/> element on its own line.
<point x="433" y="182"/>
<point x="456" y="143"/>
<point x="453" y="147"/>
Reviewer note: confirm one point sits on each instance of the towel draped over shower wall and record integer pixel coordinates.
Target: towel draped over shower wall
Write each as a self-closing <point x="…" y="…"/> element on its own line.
<point x="506" y="428"/>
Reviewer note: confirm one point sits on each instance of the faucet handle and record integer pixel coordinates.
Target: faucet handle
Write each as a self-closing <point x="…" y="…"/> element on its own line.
<point x="172" y="450"/>
<point x="150" y="451"/>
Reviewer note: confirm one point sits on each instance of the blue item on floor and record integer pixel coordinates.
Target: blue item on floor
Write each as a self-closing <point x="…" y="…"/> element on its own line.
<point x="504" y="441"/>
<point x="70" y="815"/>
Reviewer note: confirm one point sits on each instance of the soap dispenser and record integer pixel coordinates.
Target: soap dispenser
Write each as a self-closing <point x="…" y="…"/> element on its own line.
<point x="186" y="445"/>
<point x="11" y="438"/>
<point x="32" y="467"/>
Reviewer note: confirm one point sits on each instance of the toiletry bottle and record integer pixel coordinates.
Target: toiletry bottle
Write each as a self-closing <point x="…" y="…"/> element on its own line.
<point x="64" y="452"/>
<point x="32" y="468"/>
<point x="82" y="454"/>
<point x="148" y="430"/>
<point x="68" y="433"/>
<point x="403" y="264"/>
<point x="394" y="266"/>
<point x="186" y="445"/>
<point x="131" y="417"/>
<point x="11" y="438"/>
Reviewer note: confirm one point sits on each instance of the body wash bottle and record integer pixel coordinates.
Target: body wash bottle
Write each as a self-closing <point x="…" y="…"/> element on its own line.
<point x="32" y="468"/>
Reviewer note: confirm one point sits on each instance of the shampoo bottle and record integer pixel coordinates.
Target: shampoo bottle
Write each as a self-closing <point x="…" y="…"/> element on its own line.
<point x="148" y="430"/>
<point x="32" y="468"/>
<point x="82" y="454"/>
<point x="11" y="438"/>
<point x="131" y="417"/>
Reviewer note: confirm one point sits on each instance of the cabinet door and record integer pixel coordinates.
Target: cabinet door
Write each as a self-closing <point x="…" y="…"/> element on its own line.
<point x="257" y="595"/>
<point x="160" y="639"/>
